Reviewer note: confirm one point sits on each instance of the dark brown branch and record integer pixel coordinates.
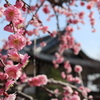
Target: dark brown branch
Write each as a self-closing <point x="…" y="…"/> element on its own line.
<point x="26" y="4"/>
<point x="35" y="14"/>
<point x="57" y="20"/>
<point x="7" y="2"/>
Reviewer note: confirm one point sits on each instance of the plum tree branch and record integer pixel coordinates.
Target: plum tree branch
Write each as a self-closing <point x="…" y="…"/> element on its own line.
<point x="63" y="84"/>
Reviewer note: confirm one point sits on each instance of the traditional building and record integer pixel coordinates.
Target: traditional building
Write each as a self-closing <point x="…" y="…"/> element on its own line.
<point x="45" y="55"/>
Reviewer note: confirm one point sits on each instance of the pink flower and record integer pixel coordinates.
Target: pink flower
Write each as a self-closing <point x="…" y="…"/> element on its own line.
<point x="68" y="89"/>
<point x="13" y="55"/>
<point x="38" y="80"/>
<point x="75" y="97"/>
<point x="90" y="5"/>
<point x="56" y="91"/>
<point x="65" y="98"/>
<point x="78" y="68"/>
<point x="67" y="66"/>
<point x="44" y="29"/>
<point x="82" y="3"/>
<point x="30" y="33"/>
<point x="81" y="15"/>
<point x="53" y="34"/>
<point x="69" y="29"/>
<point x="56" y="66"/>
<point x="63" y="75"/>
<point x="3" y="76"/>
<point x="23" y="60"/>
<point x="16" y="41"/>
<point x="12" y="13"/>
<point x="33" y="81"/>
<point x="35" y="23"/>
<point x="9" y="84"/>
<point x="42" y="79"/>
<point x="77" y="80"/>
<point x="43" y="44"/>
<point x="13" y="71"/>
<point x="69" y="78"/>
<point x="23" y="78"/>
<point x="33" y="32"/>
<point x="10" y="97"/>
<point x="46" y="9"/>
<point x="19" y="4"/>
<point x="9" y="28"/>
<point x="76" y="48"/>
<point x="1" y="91"/>
<point x="28" y="41"/>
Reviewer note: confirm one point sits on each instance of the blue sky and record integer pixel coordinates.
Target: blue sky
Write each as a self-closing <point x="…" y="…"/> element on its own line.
<point x="90" y="42"/>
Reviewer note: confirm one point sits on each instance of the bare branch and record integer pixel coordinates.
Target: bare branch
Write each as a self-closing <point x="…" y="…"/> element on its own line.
<point x="19" y="93"/>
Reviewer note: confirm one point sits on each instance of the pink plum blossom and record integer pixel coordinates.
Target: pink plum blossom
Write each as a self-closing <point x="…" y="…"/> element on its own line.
<point x="63" y="75"/>
<point x="43" y="44"/>
<point x="13" y="71"/>
<point x="3" y="76"/>
<point x="46" y="9"/>
<point x="75" y="97"/>
<point x="67" y="66"/>
<point x="69" y="89"/>
<point x="38" y="80"/>
<point x="65" y="98"/>
<point x="16" y="41"/>
<point x="76" y="48"/>
<point x="44" y="29"/>
<point x="10" y="97"/>
<point x="77" y="80"/>
<point x="23" y="78"/>
<point x="9" y="84"/>
<point x="1" y="91"/>
<point x="42" y="79"/>
<point x="14" y="55"/>
<point x="19" y="4"/>
<point x="78" y="68"/>
<point x="23" y="60"/>
<point x="9" y="28"/>
<point x="34" y="22"/>
<point x="69" y="78"/>
<point x="12" y="13"/>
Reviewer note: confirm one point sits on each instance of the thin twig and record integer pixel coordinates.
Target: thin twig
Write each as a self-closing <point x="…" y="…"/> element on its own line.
<point x="57" y="20"/>
<point x="13" y="27"/>
<point x="49" y="91"/>
<point x="7" y="2"/>
<point x="34" y="15"/>
<point x="21" y="94"/>
<point x="2" y="62"/>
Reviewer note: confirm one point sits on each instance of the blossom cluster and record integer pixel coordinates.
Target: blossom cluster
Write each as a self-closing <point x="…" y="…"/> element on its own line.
<point x="12" y="63"/>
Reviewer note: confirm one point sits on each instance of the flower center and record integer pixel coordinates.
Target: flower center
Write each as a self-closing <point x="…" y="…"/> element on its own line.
<point x="16" y="41"/>
<point x="11" y="13"/>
